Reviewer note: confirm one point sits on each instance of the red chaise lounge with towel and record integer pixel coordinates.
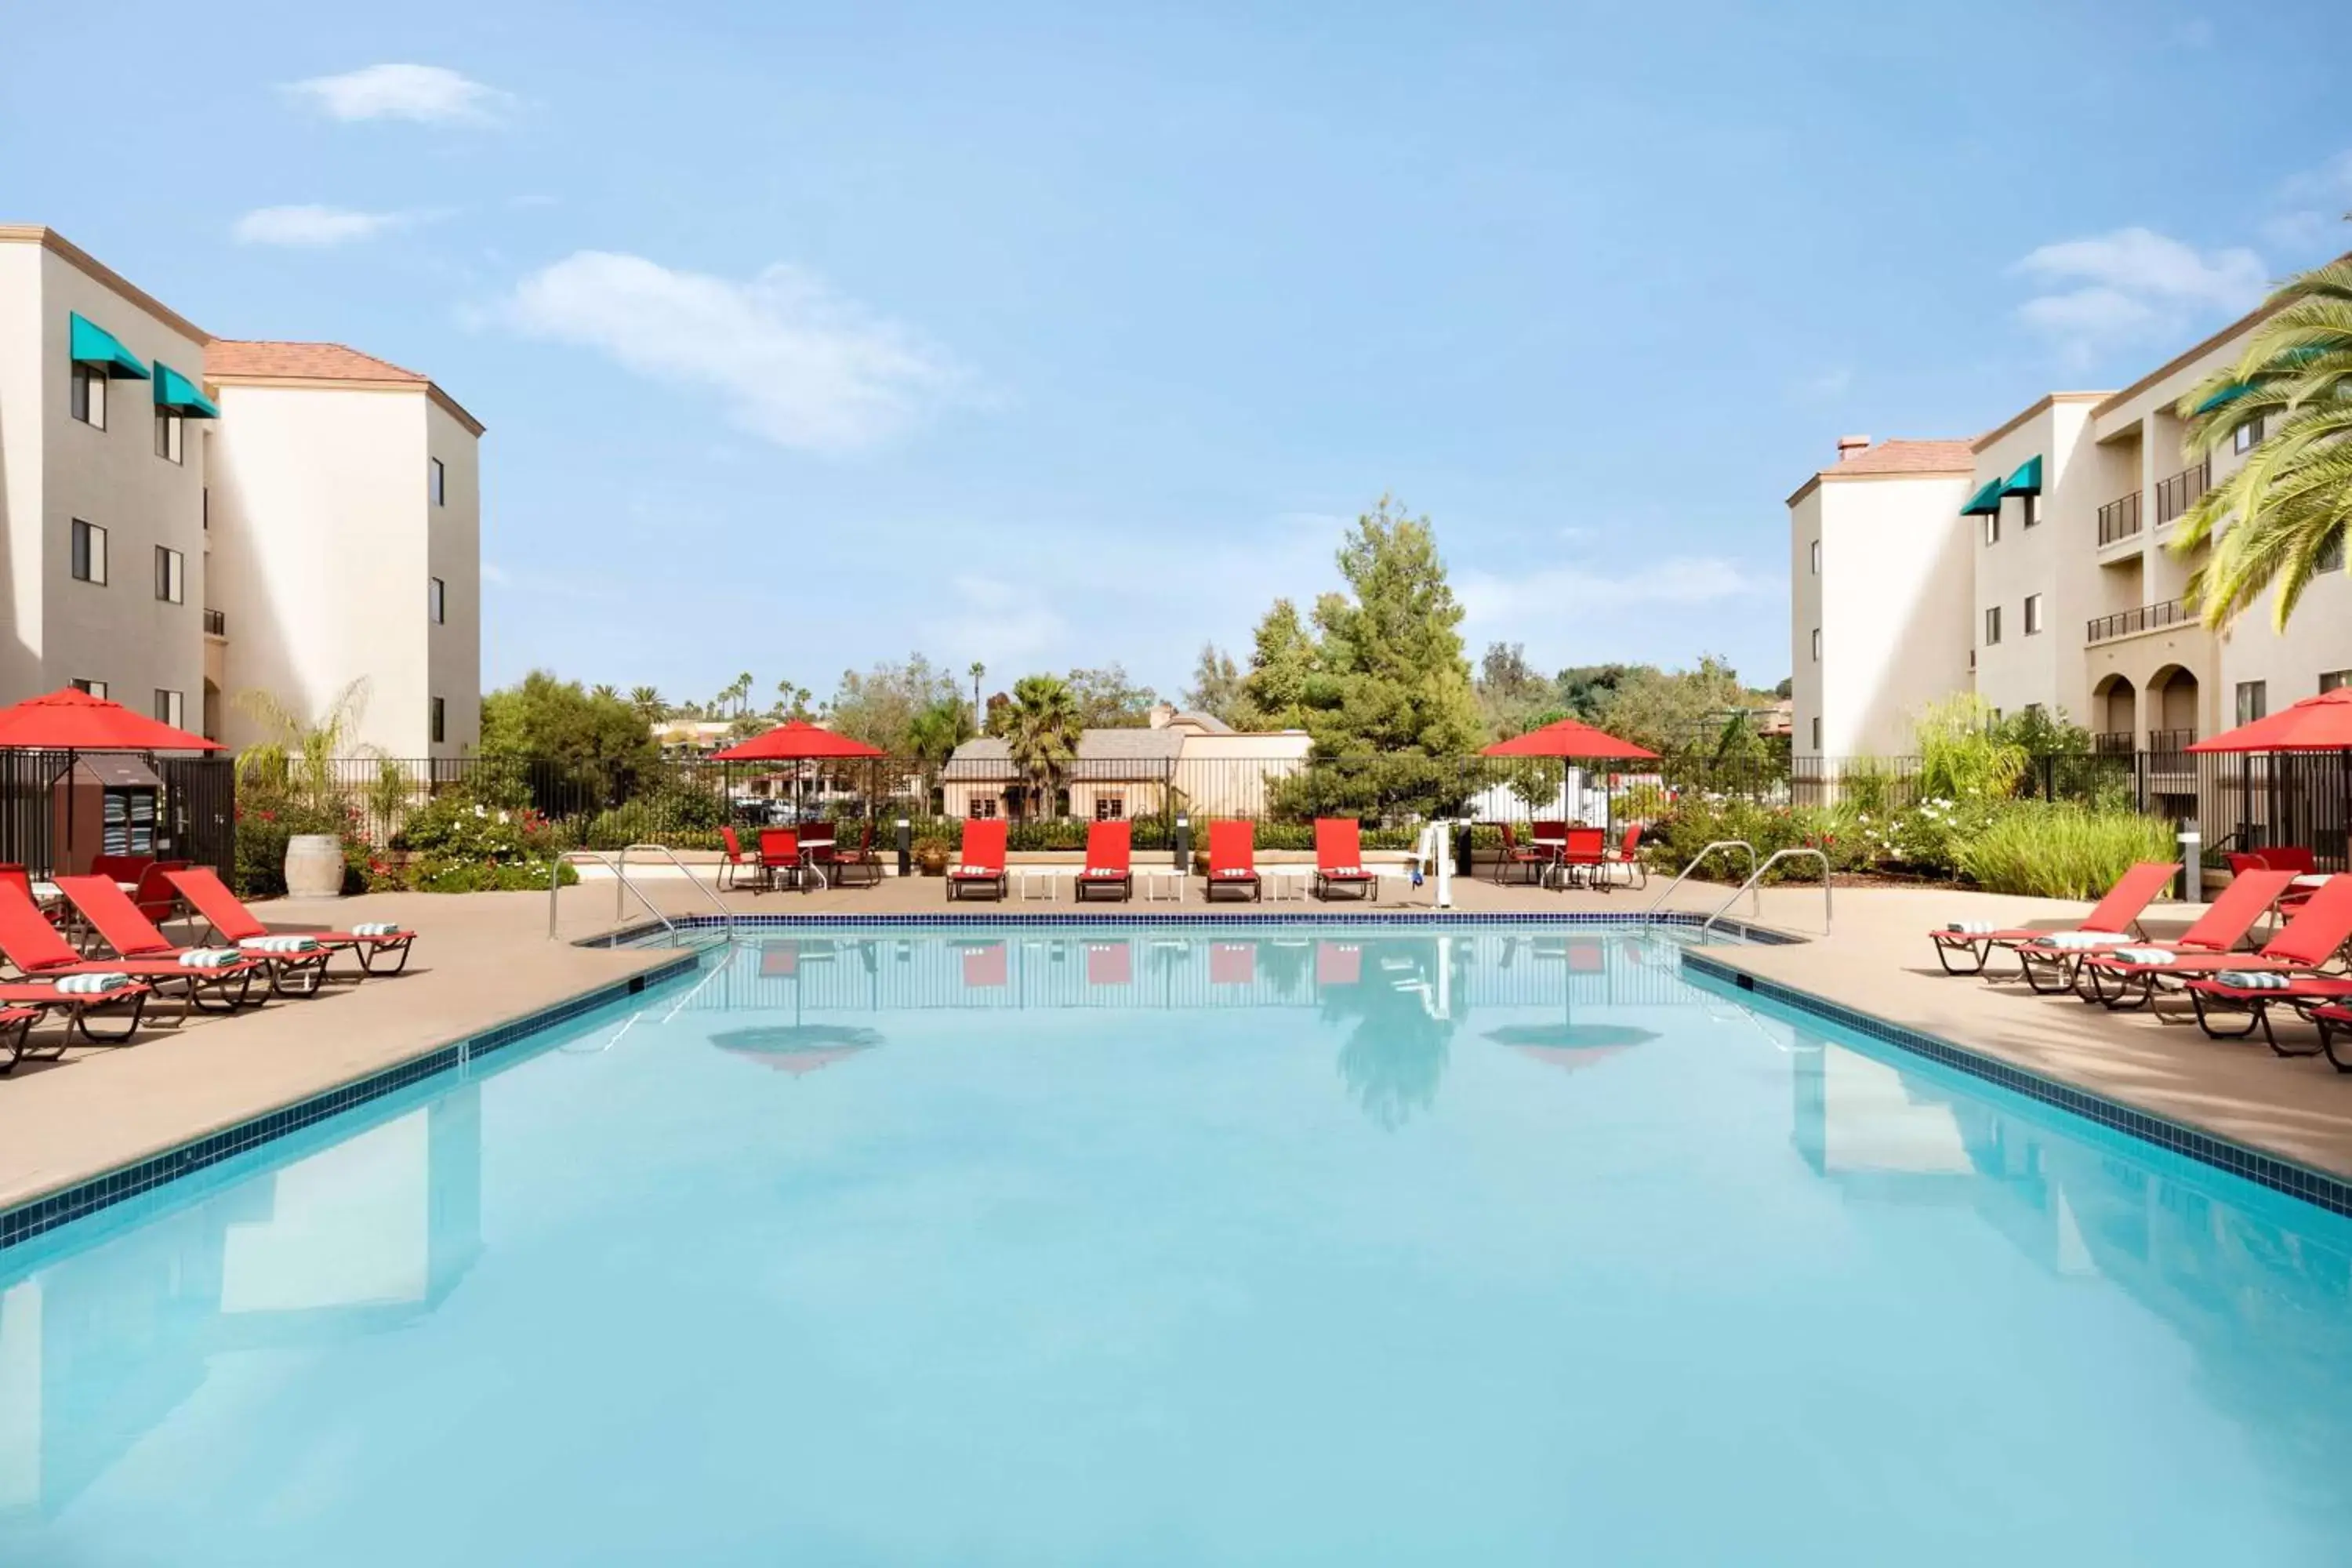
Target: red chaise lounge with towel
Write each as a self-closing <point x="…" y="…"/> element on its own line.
<point x="38" y="949"/>
<point x="1232" y="859"/>
<point x="2307" y="945"/>
<point x="983" y="863"/>
<point x="232" y="922"/>
<point x="295" y="968"/>
<point x="2223" y="928"/>
<point x="1339" y="858"/>
<point x="2115" y="917"/>
<point x="1110" y="861"/>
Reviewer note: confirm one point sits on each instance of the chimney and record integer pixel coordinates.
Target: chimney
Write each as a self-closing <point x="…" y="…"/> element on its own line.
<point x="1160" y="714"/>
<point x="1848" y="446"/>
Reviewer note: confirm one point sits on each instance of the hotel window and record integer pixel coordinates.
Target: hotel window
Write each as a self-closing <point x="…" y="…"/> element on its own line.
<point x="2254" y="701"/>
<point x="436" y="599"/>
<point x="1992" y="625"/>
<point x="168" y="706"/>
<point x="437" y="480"/>
<point x="1110" y="808"/>
<point x="1993" y="528"/>
<point x="2032" y="613"/>
<point x="168" y="435"/>
<point x="89" y="687"/>
<point x="1817" y="732"/>
<point x="89" y="403"/>
<point x="1817" y="644"/>
<point x="170" y="576"/>
<point x="2031" y="506"/>
<point x="1817" y="557"/>
<point x="2247" y="436"/>
<point x="982" y="808"/>
<point x="88" y="553"/>
<point x="2335" y="679"/>
<point x="440" y="720"/>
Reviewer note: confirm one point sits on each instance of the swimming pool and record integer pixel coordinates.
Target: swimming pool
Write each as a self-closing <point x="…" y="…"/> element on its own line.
<point x="1187" y="1245"/>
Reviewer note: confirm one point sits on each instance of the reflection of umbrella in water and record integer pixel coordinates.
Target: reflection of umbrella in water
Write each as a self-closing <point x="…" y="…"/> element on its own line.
<point x="1571" y="1046"/>
<point x="797" y="1048"/>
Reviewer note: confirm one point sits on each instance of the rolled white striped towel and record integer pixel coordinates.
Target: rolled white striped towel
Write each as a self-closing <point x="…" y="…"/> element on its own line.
<point x="289" y="942"/>
<point x="97" y="984"/>
<point x="2149" y="955"/>
<point x="1970" y="927"/>
<point x="376" y="928"/>
<point x="2083" y="939"/>
<point x="2254" y="980"/>
<point x="209" y="957"/>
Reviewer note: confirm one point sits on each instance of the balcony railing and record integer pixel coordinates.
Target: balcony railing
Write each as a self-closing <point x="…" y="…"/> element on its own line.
<point x="216" y="623"/>
<point x="2179" y="493"/>
<point x="2171" y="739"/>
<point x="2127" y="622"/>
<point x="2113" y="744"/>
<point x="2119" y="518"/>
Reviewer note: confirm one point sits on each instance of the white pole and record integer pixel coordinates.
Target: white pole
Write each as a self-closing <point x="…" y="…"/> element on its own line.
<point x="2192" y="864"/>
<point x="1443" y="834"/>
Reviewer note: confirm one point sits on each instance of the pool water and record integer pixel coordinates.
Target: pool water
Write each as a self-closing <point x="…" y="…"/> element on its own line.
<point x="1268" y="1246"/>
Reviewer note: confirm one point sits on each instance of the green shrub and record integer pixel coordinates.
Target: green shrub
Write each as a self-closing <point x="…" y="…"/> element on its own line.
<point x="434" y="875"/>
<point x="452" y="828"/>
<point x="2060" y="851"/>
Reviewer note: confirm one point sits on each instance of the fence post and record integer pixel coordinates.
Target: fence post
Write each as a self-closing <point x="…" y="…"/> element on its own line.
<point x="1183" y="841"/>
<point x="2192" y="863"/>
<point x="906" y="847"/>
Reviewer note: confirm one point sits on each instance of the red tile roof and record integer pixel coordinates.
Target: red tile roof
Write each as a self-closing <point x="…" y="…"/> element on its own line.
<point x="233" y="359"/>
<point x="1909" y="458"/>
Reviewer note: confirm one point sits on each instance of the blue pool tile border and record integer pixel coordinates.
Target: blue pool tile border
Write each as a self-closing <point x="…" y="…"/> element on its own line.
<point x="1741" y="930"/>
<point x="43" y="1213"/>
<point x="2282" y="1176"/>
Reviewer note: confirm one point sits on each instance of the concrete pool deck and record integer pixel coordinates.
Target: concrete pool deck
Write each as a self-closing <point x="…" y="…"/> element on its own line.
<point x="485" y="959"/>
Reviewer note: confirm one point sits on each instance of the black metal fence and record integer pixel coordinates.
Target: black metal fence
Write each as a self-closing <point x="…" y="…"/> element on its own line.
<point x="59" y="809"/>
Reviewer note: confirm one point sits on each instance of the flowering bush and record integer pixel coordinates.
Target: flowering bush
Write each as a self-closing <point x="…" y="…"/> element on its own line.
<point x="454" y="828"/>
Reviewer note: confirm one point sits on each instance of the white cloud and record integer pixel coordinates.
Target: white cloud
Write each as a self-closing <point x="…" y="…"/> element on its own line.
<point x="430" y="95"/>
<point x="2312" y="215"/>
<point x="317" y="225"/>
<point x="793" y="362"/>
<point x="2135" y="282"/>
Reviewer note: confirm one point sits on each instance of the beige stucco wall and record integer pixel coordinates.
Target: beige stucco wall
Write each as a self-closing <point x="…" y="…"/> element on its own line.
<point x="59" y="470"/>
<point x="1804" y="615"/>
<point x="453" y="552"/>
<point x="2057" y="558"/>
<point x="1228" y="775"/>
<point x="1893" y="609"/>
<point x="320" y="547"/>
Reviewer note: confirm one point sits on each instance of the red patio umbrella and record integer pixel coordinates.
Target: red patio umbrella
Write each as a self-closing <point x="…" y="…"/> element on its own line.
<point x="1567" y="737"/>
<point x="2321" y="723"/>
<point x="795" y="742"/>
<point x="71" y="721"/>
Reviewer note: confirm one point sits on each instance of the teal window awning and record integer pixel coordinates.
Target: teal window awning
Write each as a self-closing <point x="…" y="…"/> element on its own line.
<point x="2026" y="481"/>
<point x="1986" y="503"/>
<point x="2228" y="395"/>
<point x="94" y="345"/>
<point x="178" y="394"/>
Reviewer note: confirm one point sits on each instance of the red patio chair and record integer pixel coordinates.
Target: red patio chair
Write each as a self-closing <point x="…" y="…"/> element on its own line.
<point x="1110" y="848"/>
<point x="1628" y="853"/>
<point x="983" y="863"/>
<point x="156" y="898"/>
<point x="1515" y="854"/>
<point x="733" y="867"/>
<point x="1586" y="849"/>
<point x="2288" y="857"/>
<point x="859" y="855"/>
<point x="1232" y="859"/>
<point x="380" y="951"/>
<point x="1339" y="858"/>
<point x="780" y="850"/>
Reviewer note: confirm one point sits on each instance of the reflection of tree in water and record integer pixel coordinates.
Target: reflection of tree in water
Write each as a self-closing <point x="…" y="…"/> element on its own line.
<point x="1283" y="965"/>
<point x="1392" y="1058"/>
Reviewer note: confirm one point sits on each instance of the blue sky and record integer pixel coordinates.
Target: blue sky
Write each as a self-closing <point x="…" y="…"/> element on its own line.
<point x="1049" y="335"/>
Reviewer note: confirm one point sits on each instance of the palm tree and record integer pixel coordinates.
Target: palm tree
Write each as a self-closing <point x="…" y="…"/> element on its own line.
<point x="649" y="703"/>
<point x="933" y="737"/>
<point x="1043" y="735"/>
<point x="2290" y="502"/>
<point x="299" y="759"/>
<point x="977" y="670"/>
<point x="605" y="691"/>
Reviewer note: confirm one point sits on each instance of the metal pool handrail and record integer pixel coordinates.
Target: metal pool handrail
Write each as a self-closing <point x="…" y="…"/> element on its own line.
<point x="1660" y="902"/>
<point x="1756" y="876"/>
<point x="622" y="885"/>
<point x="666" y="853"/>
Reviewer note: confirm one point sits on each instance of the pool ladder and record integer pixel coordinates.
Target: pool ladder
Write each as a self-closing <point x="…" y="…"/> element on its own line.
<point x="1752" y="887"/>
<point x="623" y="889"/>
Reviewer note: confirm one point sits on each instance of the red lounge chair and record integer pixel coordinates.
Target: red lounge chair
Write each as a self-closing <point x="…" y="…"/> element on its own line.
<point x="780" y="850"/>
<point x="118" y="920"/>
<point x="1628" y="855"/>
<point x="16" y="1027"/>
<point x="1110" y="860"/>
<point x="733" y="867"/>
<point x="31" y="943"/>
<point x="232" y="922"/>
<point x="2307" y="945"/>
<point x="41" y="998"/>
<point x="982" y="865"/>
<point x="1515" y="855"/>
<point x="1339" y="858"/>
<point x="2118" y="912"/>
<point x="2214" y="993"/>
<point x="2220" y="929"/>
<point x="1233" y="860"/>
